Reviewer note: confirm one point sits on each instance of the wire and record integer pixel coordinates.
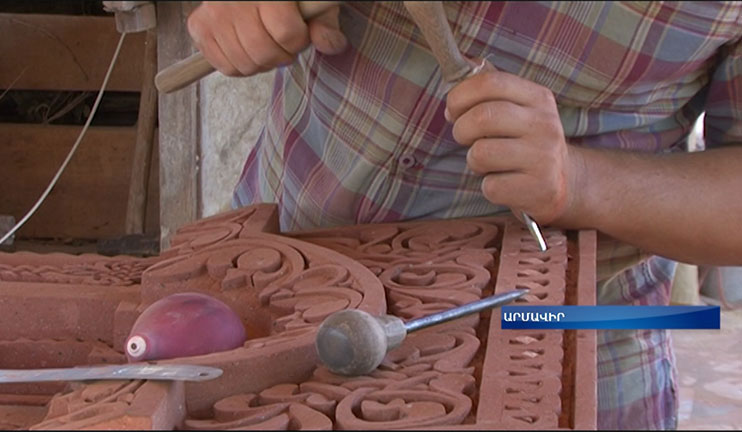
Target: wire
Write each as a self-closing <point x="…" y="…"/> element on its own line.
<point x="72" y="150"/>
<point x="13" y="83"/>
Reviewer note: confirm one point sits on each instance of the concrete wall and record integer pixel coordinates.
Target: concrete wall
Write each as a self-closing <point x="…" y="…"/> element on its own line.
<point x="232" y="115"/>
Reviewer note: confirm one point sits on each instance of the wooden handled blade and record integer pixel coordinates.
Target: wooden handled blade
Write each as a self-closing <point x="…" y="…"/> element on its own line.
<point x="195" y="67"/>
<point x="431" y="20"/>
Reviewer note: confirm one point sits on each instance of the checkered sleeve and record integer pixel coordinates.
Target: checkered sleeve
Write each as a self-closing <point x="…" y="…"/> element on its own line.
<point x="723" y="121"/>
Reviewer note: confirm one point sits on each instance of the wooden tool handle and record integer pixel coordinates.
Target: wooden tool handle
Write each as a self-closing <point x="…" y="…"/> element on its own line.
<point x="195" y="67"/>
<point x="431" y="19"/>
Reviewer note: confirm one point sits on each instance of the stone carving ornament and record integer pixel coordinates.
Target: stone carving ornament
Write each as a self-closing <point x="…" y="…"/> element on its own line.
<point x="463" y="374"/>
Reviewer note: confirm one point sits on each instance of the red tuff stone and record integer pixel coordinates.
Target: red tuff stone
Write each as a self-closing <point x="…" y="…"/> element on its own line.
<point x="59" y="310"/>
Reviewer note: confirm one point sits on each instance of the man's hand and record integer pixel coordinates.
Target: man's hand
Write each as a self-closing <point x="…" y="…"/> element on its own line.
<point x="245" y="38"/>
<point x="684" y="206"/>
<point x="516" y="141"/>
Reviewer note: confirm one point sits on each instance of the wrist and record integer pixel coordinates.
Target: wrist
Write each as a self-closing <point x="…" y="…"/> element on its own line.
<point x="578" y="209"/>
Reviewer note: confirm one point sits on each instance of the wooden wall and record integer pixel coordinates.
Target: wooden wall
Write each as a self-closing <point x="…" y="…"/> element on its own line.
<point x="64" y="52"/>
<point x="180" y="126"/>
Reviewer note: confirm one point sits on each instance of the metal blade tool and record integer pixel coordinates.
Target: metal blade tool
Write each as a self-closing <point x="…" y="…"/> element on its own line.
<point x="166" y="372"/>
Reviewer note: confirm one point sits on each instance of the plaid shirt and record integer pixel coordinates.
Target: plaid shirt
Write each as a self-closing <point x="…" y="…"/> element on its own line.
<point x="360" y="137"/>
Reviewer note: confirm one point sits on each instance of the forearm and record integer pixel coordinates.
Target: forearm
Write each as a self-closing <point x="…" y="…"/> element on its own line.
<point x="686" y="206"/>
<point x="683" y="206"/>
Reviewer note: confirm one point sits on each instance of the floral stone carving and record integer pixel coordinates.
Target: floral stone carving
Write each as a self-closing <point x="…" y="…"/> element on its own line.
<point x="59" y="310"/>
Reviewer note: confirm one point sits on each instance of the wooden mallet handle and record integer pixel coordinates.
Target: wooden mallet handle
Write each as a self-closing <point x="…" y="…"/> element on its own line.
<point x="195" y="67"/>
<point x="431" y="19"/>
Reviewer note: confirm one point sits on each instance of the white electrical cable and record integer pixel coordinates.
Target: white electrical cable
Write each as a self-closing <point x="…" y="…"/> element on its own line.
<point x="72" y="150"/>
<point x="13" y="83"/>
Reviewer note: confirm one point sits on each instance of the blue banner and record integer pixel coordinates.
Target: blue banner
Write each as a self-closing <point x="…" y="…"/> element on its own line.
<point x="610" y="317"/>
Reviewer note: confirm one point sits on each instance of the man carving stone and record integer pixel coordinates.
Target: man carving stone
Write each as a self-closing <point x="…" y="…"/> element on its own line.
<point x="582" y="126"/>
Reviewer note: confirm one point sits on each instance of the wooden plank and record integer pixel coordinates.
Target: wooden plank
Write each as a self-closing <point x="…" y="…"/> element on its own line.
<point x="89" y="201"/>
<point x="67" y="52"/>
<point x="136" y="209"/>
<point x="179" y="121"/>
<point x="7" y="223"/>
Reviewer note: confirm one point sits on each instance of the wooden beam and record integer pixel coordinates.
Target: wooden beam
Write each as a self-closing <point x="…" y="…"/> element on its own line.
<point x="7" y="223"/>
<point x="67" y="52"/>
<point x="136" y="206"/>
<point x="179" y="120"/>
<point x="89" y="202"/>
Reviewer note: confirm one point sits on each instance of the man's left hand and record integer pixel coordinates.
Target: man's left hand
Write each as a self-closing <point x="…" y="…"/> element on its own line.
<point x="515" y="139"/>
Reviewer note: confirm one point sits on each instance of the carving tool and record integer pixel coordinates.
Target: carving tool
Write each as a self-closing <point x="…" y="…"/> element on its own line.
<point x="431" y="19"/>
<point x="195" y="67"/>
<point x="166" y="372"/>
<point x="353" y="342"/>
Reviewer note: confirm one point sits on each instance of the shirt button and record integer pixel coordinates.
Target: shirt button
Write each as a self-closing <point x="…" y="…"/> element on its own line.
<point x="407" y="161"/>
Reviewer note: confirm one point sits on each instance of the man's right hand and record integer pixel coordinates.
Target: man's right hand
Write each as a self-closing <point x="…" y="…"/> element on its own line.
<point x="245" y="38"/>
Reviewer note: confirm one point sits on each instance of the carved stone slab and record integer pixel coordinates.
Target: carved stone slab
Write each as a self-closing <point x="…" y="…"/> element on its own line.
<point x="60" y="310"/>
